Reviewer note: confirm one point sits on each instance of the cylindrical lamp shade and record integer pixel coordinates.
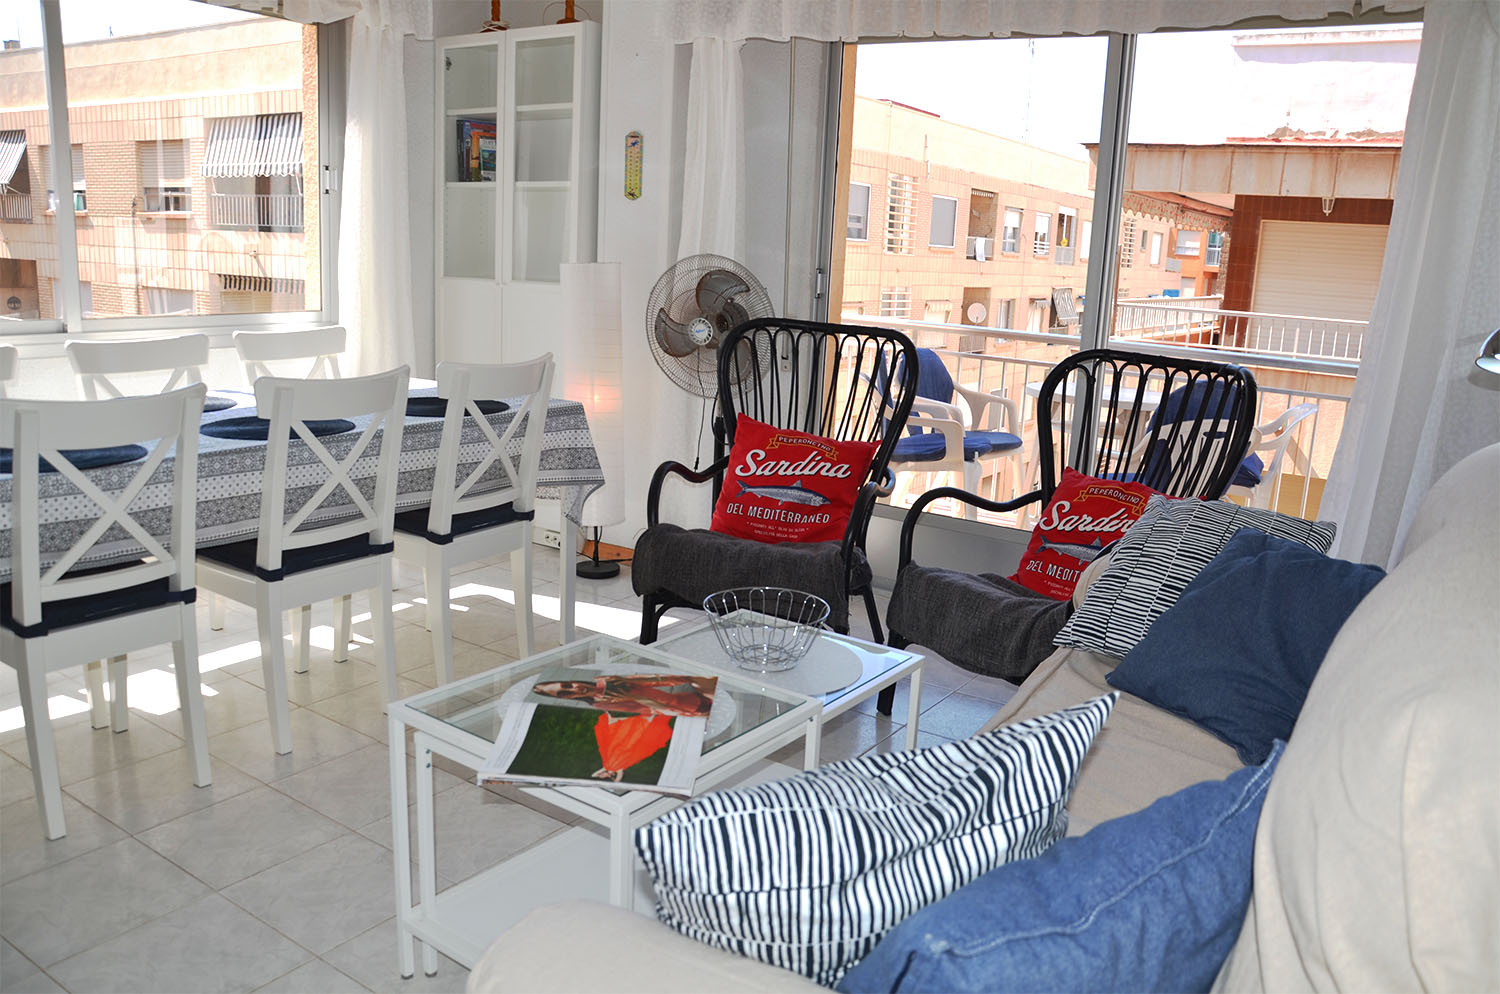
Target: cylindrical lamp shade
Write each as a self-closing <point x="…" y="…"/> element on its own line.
<point x="589" y="372"/>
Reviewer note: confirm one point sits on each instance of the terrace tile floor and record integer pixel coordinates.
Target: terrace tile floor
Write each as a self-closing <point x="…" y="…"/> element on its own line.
<point x="278" y="876"/>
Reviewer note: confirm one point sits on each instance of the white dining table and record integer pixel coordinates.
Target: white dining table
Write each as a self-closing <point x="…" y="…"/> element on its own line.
<point x="230" y="475"/>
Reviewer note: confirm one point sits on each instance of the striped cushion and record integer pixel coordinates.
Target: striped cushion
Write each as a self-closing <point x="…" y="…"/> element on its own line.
<point x="1159" y="556"/>
<point x="809" y="872"/>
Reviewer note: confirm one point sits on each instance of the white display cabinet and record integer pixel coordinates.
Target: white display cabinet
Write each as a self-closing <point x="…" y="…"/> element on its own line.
<point x="503" y="232"/>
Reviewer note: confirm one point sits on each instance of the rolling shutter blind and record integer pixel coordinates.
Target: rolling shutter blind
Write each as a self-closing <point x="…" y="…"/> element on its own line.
<point x="1318" y="270"/>
<point x="164" y="163"/>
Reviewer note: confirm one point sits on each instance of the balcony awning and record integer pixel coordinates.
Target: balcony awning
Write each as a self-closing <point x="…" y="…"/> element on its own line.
<point x="12" y="147"/>
<point x="1063" y="308"/>
<point x="254" y="145"/>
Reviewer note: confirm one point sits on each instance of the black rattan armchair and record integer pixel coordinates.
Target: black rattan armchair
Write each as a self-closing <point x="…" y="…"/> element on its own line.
<point x="846" y="382"/>
<point x="1180" y="426"/>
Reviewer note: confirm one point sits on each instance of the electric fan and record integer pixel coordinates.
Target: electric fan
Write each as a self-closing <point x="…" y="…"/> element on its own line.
<point x="692" y="309"/>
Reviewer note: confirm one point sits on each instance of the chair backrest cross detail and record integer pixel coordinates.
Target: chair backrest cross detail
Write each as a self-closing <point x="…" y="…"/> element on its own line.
<point x="337" y="470"/>
<point x="505" y="462"/>
<point x="41" y="430"/>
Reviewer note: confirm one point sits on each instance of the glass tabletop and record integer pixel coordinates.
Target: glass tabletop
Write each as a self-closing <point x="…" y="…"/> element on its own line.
<point x="475" y="705"/>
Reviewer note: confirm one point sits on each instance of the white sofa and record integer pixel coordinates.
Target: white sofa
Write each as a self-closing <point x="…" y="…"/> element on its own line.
<point x="1377" y="863"/>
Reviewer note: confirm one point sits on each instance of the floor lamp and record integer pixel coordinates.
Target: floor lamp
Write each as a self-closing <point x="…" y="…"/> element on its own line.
<point x="591" y="375"/>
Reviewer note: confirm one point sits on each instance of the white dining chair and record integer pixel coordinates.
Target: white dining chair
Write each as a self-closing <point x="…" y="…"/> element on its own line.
<point x="182" y="358"/>
<point x="482" y="491"/>
<point x="295" y="559"/>
<point x="53" y="614"/>
<point x="7" y="367"/>
<point x="258" y="349"/>
<point x="311" y="354"/>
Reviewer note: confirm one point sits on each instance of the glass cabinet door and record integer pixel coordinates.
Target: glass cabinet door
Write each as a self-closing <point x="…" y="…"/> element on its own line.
<point x="544" y="169"/>
<point x="471" y="141"/>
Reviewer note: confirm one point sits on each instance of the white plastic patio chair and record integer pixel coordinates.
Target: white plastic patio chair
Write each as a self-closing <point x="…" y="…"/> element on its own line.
<point x="292" y="562"/>
<point x="53" y="615"/>
<point x="482" y="491"/>
<point x="1274" y="442"/>
<point x="181" y="358"/>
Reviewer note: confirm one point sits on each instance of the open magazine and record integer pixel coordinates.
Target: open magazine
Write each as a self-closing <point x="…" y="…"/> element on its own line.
<point x="573" y="725"/>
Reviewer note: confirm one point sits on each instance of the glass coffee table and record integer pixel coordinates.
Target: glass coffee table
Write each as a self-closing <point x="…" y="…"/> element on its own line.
<point x="838" y="672"/>
<point x="594" y="859"/>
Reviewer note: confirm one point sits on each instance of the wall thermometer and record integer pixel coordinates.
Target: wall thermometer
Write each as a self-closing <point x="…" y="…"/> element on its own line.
<point x="633" y="166"/>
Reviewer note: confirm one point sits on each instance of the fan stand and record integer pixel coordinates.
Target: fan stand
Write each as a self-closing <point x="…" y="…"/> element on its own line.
<point x="593" y="569"/>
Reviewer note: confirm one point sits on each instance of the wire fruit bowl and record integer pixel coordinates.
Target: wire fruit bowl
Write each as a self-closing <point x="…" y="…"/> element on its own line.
<point x="765" y="628"/>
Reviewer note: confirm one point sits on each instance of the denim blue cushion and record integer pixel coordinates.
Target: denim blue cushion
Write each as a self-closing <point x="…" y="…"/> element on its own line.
<point x="1239" y="649"/>
<point x="1150" y="901"/>
<point x="112" y="455"/>
<point x="931" y="446"/>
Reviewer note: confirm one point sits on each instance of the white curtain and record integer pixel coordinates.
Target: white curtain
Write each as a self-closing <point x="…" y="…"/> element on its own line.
<point x="850" y="20"/>
<point x="374" y="252"/>
<point x="1419" y="403"/>
<point x="713" y="195"/>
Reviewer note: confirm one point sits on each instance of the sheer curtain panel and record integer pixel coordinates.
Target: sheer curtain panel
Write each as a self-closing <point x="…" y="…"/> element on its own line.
<point x="1419" y="403"/>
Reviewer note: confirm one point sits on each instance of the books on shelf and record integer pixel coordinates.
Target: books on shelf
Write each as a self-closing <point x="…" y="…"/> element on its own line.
<point x="569" y="725"/>
<point x="476" y="150"/>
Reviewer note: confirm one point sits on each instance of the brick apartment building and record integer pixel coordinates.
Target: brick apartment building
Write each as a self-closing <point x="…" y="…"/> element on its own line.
<point x="195" y="162"/>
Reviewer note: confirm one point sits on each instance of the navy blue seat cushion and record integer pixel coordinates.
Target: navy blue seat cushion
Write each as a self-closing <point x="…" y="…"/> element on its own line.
<point x="415" y="522"/>
<point x="437" y="407"/>
<point x="241" y="556"/>
<point x="112" y="455"/>
<point x="96" y="607"/>
<point x="253" y="428"/>
<point x="998" y="441"/>
<point x="1249" y="472"/>
<point x="1238" y="651"/>
<point x="1152" y="901"/>
<point x="931" y="446"/>
<point x="211" y="404"/>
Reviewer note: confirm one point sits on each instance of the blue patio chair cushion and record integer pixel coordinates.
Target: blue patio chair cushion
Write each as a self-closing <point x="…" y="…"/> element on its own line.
<point x="693" y="563"/>
<point x="241" y="556"/>
<point x="436" y="407"/>
<point x="1238" y="651"/>
<point x="253" y="428"/>
<point x="1152" y="901"/>
<point x="1249" y="472"/>
<point x="112" y="455"/>
<point x="415" y="522"/>
<point x="96" y="607"/>
<point x="931" y="447"/>
<point x="998" y="441"/>
<point x="1187" y="403"/>
<point x="213" y="403"/>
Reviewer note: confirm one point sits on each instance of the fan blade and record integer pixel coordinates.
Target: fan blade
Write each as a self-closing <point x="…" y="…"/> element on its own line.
<point x="716" y="291"/>
<point x="673" y="336"/>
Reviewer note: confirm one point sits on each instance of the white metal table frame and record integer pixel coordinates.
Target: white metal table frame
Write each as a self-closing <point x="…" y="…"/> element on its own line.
<point x="884" y="666"/>
<point x="619" y="812"/>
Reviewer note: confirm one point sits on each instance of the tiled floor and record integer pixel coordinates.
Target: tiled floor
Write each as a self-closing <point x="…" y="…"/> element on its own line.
<point x="278" y="877"/>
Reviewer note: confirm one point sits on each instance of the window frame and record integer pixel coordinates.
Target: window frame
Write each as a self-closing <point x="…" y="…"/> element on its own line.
<point x="1015" y="244"/>
<point x="1041" y="234"/>
<point x="1156" y="247"/>
<point x="952" y="241"/>
<point x="332" y="48"/>
<point x="850" y="212"/>
<point x="1197" y="246"/>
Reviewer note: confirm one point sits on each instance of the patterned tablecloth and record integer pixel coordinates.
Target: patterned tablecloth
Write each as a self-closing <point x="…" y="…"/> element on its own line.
<point x="230" y="476"/>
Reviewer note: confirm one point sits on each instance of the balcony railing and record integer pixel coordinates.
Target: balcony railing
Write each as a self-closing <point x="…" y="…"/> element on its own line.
<point x="980" y="249"/>
<point x="15" y="207"/>
<point x="276" y="211"/>
<point x="1200" y="321"/>
<point x="1211" y="255"/>
<point x="1016" y="361"/>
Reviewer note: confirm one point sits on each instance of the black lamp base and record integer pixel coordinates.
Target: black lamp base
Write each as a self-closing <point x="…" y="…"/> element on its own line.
<point x="591" y="569"/>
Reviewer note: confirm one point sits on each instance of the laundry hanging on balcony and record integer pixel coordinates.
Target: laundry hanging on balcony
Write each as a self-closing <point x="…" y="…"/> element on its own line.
<point x="254" y="145"/>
